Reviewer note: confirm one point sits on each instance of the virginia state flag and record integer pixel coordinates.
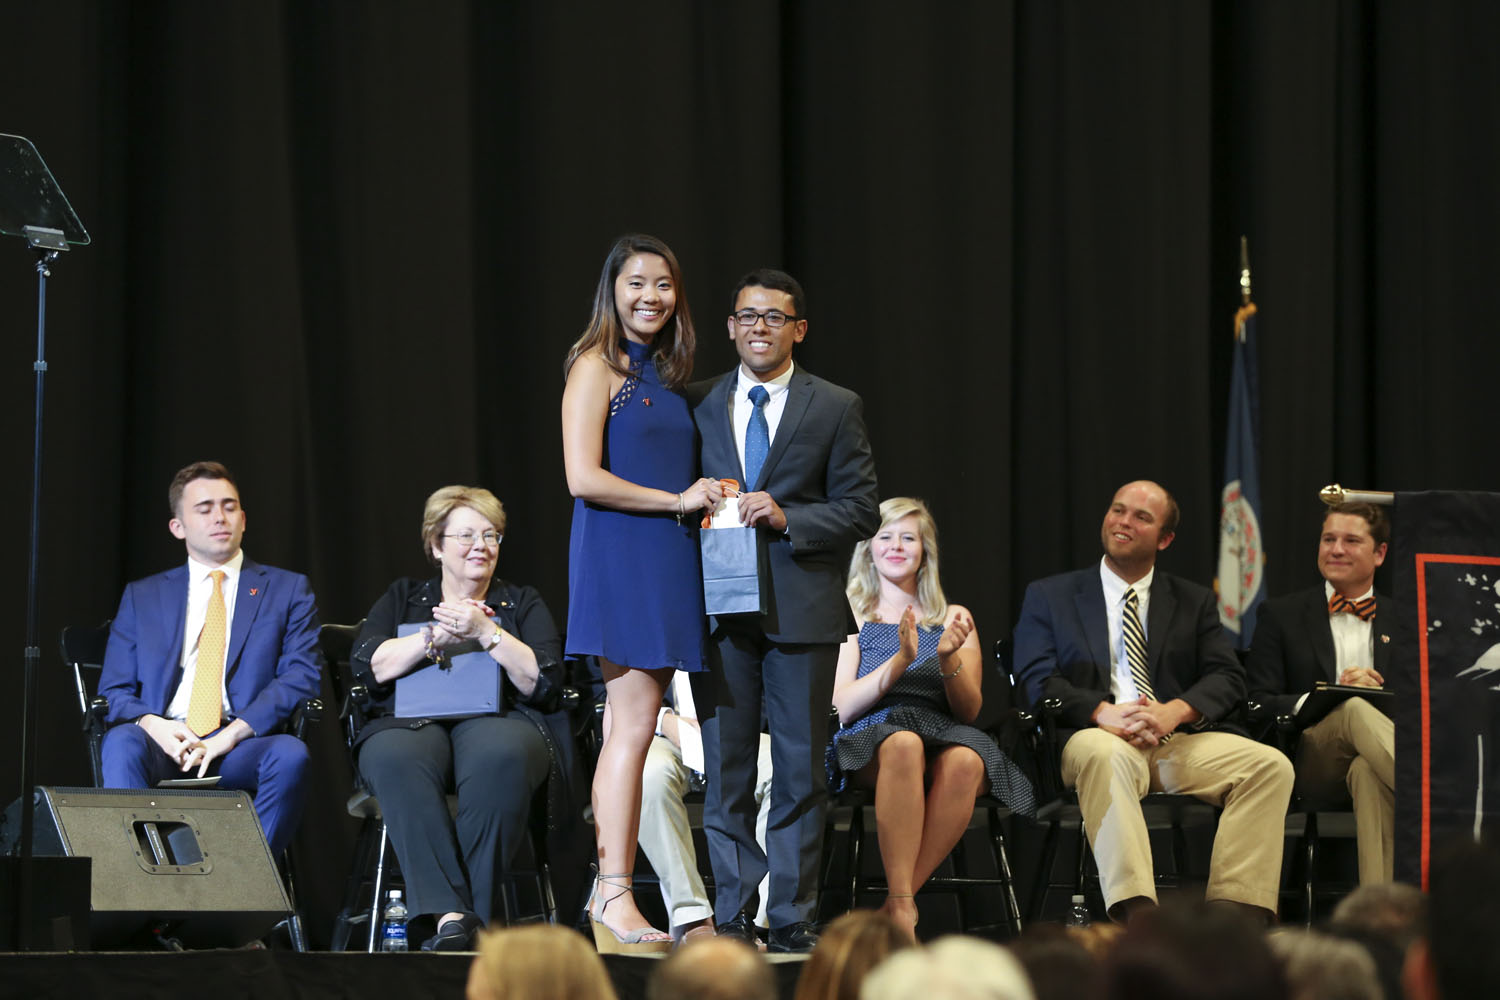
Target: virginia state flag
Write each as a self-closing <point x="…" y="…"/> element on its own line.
<point x="1242" y="556"/>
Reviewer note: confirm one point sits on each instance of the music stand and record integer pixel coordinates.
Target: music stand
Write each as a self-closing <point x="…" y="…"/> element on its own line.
<point x="34" y="208"/>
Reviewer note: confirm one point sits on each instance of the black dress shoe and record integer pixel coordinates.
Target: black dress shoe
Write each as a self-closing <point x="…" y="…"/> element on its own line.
<point x="741" y="928"/>
<point x="455" y="935"/>
<point x="799" y="937"/>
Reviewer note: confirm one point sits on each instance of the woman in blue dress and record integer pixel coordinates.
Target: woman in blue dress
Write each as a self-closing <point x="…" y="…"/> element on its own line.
<point x="907" y="689"/>
<point x="635" y="590"/>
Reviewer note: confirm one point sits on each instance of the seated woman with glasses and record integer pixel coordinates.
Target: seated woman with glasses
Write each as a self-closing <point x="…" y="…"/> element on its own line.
<point x="494" y="757"/>
<point x="907" y="687"/>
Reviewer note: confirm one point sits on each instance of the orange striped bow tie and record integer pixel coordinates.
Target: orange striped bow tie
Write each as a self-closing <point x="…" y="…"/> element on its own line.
<point x="1363" y="609"/>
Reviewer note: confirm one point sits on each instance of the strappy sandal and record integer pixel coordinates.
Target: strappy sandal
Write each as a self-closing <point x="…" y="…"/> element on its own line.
<point x="641" y="941"/>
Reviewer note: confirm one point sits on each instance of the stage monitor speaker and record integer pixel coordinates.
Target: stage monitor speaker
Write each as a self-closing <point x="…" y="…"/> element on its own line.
<point x="194" y="861"/>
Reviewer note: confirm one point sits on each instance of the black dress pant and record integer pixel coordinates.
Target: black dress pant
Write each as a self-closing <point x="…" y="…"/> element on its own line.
<point x="494" y="764"/>
<point x="794" y="682"/>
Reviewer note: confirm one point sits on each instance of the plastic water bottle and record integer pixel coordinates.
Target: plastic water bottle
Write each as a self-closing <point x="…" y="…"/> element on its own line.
<point x="1078" y="913"/>
<point x="393" y="927"/>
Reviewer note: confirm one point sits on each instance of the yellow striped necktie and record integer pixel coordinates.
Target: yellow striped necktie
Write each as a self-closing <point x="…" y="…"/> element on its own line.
<point x="208" y="674"/>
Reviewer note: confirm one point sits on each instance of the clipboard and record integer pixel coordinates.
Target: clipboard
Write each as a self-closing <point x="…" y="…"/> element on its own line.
<point x="1325" y="697"/>
<point x="208" y="781"/>
<point x="466" y="683"/>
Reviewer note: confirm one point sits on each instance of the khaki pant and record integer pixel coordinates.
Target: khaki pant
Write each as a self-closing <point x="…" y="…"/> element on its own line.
<point x="666" y="837"/>
<point x="1250" y="781"/>
<point x="1354" y="748"/>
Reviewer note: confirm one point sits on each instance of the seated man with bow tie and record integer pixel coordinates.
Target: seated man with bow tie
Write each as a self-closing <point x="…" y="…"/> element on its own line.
<point x="1330" y="633"/>
<point x="1146" y="680"/>
<point x="207" y="660"/>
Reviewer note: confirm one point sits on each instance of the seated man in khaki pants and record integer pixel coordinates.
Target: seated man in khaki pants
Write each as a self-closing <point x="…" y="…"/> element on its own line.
<point x="1332" y="633"/>
<point x="1146" y="678"/>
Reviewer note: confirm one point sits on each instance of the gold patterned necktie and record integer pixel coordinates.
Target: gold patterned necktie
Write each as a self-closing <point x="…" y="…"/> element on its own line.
<point x="208" y="673"/>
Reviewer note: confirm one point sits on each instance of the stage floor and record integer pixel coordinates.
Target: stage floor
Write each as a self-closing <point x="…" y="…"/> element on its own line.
<point x="233" y="975"/>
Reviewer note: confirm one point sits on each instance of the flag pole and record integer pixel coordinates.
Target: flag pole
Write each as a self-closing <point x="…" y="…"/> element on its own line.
<point x="1336" y="494"/>
<point x="1247" y="308"/>
<point x="1244" y="271"/>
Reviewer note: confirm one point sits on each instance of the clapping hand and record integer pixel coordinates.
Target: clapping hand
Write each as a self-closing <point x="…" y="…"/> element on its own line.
<point x="906" y="631"/>
<point x="954" y="635"/>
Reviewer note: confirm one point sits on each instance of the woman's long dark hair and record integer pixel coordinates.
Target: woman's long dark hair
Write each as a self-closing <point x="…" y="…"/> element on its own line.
<point x="673" y="348"/>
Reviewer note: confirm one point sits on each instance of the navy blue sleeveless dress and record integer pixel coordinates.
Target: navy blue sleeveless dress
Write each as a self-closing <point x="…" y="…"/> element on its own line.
<point x="916" y="703"/>
<point x="635" y="587"/>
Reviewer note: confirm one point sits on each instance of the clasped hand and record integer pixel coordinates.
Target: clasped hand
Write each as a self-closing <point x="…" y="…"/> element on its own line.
<point x="1361" y="677"/>
<point x="184" y="747"/>
<point x="1141" y="723"/>
<point x="460" y="621"/>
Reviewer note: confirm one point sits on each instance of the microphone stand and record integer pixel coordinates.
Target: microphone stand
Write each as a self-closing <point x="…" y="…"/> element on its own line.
<point x="33" y="206"/>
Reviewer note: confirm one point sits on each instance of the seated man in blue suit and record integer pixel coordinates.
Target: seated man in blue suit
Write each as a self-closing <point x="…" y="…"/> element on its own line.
<point x="1146" y="678"/>
<point x="206" y="661"/>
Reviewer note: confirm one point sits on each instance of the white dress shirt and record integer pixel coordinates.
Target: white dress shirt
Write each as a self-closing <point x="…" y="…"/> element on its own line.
<point x="1121" y="684"/>
<point x="1353" y="638"/>
<point x="200" y="587"/>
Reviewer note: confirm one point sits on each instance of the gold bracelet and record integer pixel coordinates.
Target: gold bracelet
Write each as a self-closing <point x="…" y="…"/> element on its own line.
<point x="956" y="671"/>
<point x="680" y="512"/>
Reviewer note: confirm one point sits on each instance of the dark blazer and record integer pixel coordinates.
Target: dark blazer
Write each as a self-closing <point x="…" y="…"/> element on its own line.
<point x="520" y="611"/>
<point x="1293" y="649"/>
<point x="272" y="664"/>
<point x="1062" y="647"/>
<point x="820" y="471"/>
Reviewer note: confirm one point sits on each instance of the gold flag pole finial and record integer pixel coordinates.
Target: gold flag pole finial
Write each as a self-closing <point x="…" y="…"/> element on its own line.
<point x="1335" y="494"/>
<point x="1244" y="271"/>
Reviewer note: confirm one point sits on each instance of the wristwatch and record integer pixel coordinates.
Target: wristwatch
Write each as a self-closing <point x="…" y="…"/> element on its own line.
<point x="493" y="640"/>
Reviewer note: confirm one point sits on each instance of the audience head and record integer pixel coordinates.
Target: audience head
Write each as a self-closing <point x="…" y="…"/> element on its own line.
<point x="1205" y="952"/>
<point x="1140" y="522"/>
<point x="1060" y="962"/>
<point x="1322" y="967"/>
<point x="950" y="968"/>
<point x="441" y="508"/>
<point x="1394" y="911"/>
<point x="537" y="962"/>
<point x="1456" y="956"/>
<point x="1352" y="545"/>
<point x="906" y="544"/>
<point x="206" y="512"/>
<point x="673" y="344"/>
<point x="713" y="969"/>
<point x="847" y="950"/>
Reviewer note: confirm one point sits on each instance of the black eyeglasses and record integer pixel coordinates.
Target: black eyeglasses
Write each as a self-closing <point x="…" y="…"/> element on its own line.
<point x="466" y="538"/>
<point x="775" y="318"/>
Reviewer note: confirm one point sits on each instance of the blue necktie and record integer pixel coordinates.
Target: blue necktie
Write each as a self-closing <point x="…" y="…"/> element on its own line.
<point x="757" y="436"/>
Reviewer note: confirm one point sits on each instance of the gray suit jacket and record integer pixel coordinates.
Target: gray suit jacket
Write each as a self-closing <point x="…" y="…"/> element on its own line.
<point x="820" y="471"/>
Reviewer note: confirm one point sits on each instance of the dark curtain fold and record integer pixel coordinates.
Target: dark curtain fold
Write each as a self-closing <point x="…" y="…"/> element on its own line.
<point x="344" y="247"/>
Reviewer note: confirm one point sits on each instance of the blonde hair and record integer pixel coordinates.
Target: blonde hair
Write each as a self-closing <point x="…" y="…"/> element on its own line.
<point x="541" y="962"/>
<point x="952" y="967"/>
<point x="446" y="500"/>
<point x="864" y="582"/>
<point x="851" y="946"/>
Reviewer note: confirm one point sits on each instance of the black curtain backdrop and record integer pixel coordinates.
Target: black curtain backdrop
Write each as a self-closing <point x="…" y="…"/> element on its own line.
<point x="343" y="247"/>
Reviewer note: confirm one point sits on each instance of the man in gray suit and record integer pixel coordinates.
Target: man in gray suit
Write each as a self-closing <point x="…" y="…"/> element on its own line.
<point x="799" y="445"/>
